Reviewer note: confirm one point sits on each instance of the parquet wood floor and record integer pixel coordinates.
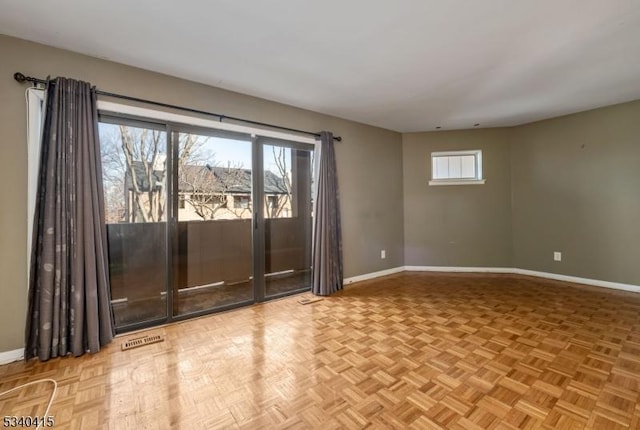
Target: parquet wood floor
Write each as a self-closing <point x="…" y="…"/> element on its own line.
<point x="412" y="350"/>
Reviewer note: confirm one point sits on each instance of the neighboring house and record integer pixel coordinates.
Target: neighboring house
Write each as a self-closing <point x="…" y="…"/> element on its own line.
<point x="211" y="192"/>
<point x="204" y="193"/>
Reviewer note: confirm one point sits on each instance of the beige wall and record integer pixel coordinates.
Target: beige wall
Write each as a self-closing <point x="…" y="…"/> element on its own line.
<point x="576" y="189"/>
<point x="369" y="162"/>
<point x="457" y="225"/>
<point x="568" y="184"/>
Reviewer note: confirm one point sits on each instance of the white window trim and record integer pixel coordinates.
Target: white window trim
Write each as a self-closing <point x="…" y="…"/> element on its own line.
<point x="457" y="182"/>
<point x="35" y="117"/>
<point x="119" y="108"/>
<point x="479" y="180"/>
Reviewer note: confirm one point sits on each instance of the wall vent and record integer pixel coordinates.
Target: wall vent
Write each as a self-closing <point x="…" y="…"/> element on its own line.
<point x="141" y="341"/>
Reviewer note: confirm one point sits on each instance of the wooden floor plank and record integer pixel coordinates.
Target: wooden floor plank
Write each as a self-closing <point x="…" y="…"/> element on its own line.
<point x="411" y="350"/>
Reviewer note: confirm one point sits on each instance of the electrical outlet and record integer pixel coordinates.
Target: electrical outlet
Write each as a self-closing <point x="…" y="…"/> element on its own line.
<point x="557" y="256"/>
<point x="383" y="254"/>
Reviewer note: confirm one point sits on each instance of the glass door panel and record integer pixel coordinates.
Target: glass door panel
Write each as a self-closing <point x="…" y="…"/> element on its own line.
<point x="287" y="213"/>
<point x="213" y="261"/>
<point x="134" y="176"/>
<point x="199" y="221"/>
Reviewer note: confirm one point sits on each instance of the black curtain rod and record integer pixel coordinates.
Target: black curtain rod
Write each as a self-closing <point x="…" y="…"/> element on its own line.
<point x="22" y="78"/>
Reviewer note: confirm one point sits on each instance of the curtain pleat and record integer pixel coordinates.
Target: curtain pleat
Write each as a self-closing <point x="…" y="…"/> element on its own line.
<point x="327" y="235"/>
<point x="69" y="308"/>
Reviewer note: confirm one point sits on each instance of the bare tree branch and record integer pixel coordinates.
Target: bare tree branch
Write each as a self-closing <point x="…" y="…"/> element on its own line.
<point x="284" y="172"/>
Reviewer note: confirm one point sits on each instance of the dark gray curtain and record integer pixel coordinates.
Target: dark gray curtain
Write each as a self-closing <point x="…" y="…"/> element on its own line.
<point x="327" y="234"/>
<point x="69" y="299"/>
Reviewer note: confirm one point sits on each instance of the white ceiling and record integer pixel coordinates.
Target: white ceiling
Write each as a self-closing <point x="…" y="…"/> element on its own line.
<point x="407" y="65"/>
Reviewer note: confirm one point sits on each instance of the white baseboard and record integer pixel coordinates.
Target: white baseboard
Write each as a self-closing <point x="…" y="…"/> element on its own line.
<point x="367" y="276"/>
<point x="11" y="356"/>
<point x="577" y="280"/>
<point x="547" y="275"/>
<point x="458" y="269"/>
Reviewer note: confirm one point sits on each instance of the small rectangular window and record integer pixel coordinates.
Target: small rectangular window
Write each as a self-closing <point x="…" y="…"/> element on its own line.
<point x="456" y="168"/>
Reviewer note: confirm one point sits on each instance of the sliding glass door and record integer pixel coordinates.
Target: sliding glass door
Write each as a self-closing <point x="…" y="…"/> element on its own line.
<point x="213" y="258"/>
<point x="202" y="220"/>
<point x="134" y="172"/>
<point x="286" y="193"/>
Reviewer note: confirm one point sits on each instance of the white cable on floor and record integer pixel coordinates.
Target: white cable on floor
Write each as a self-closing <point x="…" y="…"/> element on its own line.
<point x="53" y="394"/>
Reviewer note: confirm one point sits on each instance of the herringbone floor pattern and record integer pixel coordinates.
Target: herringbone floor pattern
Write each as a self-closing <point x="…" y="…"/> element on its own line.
<point x="413" y="350"/>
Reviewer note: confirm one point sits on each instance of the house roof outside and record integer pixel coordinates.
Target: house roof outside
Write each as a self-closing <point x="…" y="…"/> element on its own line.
<point x="212" y="179"/>
<point x="207" y="179"/>
<point x="142" y="180"/>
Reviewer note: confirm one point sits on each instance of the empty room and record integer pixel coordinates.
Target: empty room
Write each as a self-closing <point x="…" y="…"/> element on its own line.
<point x="320" y="215"/>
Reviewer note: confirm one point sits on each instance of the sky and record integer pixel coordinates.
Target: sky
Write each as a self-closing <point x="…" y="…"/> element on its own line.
<point x="237" y="153"/>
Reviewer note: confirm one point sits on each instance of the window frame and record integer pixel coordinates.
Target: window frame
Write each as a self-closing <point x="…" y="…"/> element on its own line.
<point x="35" y="98"/>
<point x="477" y="180"/>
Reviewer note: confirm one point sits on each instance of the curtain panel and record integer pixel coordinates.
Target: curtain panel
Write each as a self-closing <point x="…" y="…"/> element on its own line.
<point x="69" y="308"/>
<point x="327" y="234"/>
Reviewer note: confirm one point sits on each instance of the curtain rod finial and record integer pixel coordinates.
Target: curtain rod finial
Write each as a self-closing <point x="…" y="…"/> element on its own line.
<point x="19" y="77"/>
